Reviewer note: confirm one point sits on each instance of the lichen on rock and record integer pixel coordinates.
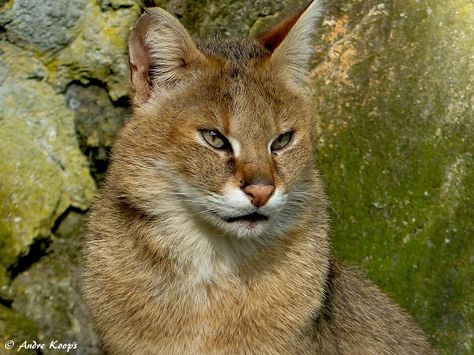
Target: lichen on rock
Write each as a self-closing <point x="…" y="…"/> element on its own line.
<point x="99" y="52"/>
<point x="395" y="114"/>
<point x="17" y="328"/>
<point x="52" y="284"/>
<point x="42" y="170"/>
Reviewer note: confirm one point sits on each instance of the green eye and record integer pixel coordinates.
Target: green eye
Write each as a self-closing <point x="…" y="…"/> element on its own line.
<point x="281" y="141"/>
<point x="215" y="139"/>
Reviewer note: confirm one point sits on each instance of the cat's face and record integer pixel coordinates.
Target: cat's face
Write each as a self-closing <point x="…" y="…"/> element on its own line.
<point x="207" y="145"/>
<point x="224" y="140"/>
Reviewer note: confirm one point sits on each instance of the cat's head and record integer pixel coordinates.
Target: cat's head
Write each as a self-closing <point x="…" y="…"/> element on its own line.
<point x="222" y="131"/>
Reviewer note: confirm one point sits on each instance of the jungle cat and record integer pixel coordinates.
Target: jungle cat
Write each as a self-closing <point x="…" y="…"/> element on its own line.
<point x="210" y="235"/>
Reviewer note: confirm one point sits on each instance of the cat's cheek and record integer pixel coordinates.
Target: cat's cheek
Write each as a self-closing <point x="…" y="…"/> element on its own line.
<point x="293" y="163"/>
<point x="203" y="168"/>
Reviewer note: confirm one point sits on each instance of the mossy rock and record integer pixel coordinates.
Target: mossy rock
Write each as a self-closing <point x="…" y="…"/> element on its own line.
<point x="99" y="52"/>
<point x="34" y="24"/>
<point x="229" y="18"/>
<point x="48" y="293"/>
<point x="394" y="96"/>
<point x="15" y="327"/>
<point x="97" y="122"/>
<point x="42" y="171"/>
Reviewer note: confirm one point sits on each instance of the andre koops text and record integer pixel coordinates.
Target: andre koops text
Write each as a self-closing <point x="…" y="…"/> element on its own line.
<point x="34" y="345"/>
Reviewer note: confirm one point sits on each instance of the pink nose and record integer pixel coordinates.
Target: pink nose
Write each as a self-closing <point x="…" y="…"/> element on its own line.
<point x="259" y="194"/>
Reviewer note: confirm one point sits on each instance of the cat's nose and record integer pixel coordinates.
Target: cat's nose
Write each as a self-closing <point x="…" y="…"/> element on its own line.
<point x="259" y="193"/>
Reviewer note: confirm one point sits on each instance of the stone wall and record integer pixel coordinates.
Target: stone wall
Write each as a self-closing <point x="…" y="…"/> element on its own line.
<point x="394" y="99"/>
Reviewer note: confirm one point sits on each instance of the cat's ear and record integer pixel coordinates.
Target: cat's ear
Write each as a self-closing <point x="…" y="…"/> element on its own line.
<point x="291" y="41"/>
<point x="162" y="54"/>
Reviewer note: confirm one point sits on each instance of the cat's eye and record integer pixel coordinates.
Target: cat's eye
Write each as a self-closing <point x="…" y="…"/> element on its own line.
<point x="215" y="139"/>
<point x="281" y="141"/>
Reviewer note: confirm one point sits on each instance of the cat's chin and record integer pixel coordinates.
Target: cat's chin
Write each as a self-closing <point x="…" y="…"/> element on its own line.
<point x="248" y="225"/>
<point x="247" y="229"/>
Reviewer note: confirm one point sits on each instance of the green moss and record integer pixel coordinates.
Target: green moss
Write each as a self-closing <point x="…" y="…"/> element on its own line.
<point x="98" y="52"/>
<point x="48" y="292"/>
<point x="14" y="327"/>
<point x="395" y="126"/>
<point x="6" y="241"/>
<point x="7" y="257"/>
<point x="42" y="171"/>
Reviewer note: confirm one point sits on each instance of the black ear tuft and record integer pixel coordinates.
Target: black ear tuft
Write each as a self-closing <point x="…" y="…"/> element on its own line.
<point x="144" y="4"/>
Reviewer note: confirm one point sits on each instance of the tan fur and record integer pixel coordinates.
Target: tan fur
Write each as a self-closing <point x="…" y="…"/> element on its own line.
<point x="165" y="273"/>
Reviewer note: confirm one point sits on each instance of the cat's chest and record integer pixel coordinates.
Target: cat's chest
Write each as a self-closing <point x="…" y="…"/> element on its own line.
<point x="221" y="318"/>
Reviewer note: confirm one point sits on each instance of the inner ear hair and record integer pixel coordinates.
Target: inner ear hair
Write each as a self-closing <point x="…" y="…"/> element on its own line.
<point x="291" y="42"/>
<point x="161" y="54"/>
<point x="272" y="37"/>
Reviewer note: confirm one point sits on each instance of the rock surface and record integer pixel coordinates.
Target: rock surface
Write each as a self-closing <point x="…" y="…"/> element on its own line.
<point x="35" y="23"/>
<point x="229" y="18"/>
<point x="42" y="173"/>
<point x="395" y="101"/>
<point x="97" y="121"/>
<point x="52" y="284"/>
<point x="42" y="170"/>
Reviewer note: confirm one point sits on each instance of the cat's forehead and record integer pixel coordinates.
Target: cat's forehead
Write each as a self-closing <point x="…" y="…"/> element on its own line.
<point x="239" y="94"/>
<point x="235" y="50"/>
<point x="244" y="103"/>
<point x="247" y="109"/>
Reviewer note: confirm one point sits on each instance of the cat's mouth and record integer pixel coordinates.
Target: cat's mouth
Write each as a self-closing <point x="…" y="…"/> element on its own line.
<point x="254" y="217"/>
